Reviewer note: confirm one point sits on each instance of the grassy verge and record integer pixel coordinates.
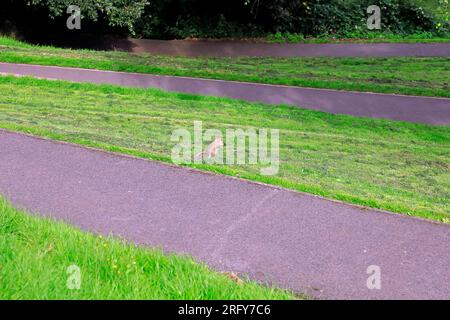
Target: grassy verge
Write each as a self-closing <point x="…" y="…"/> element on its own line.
<point x="369" y="37"/>
<point x="355" y="37"/>
<point x="401" y="167"/>
<point x="35" y="255"/>
<point x="406" y="75"/>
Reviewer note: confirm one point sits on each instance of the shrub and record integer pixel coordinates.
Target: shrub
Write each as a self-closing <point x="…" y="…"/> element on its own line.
<point x="251" y="18"/>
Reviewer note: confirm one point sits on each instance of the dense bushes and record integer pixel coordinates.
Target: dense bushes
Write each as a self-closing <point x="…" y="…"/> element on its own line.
<point x="197" y="18"/>
<point x="241" y="18"/>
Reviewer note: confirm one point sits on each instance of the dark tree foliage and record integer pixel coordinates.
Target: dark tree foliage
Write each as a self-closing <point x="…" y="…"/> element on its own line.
<point x="241" y="18"/>
<point x="118" y="13"/>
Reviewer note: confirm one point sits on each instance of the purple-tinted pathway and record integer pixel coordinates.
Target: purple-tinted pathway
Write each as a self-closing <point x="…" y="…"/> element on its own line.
<point x="242" y="48"/>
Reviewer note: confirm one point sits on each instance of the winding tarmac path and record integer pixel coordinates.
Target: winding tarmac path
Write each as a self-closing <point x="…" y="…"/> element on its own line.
<point x="290" y="239"/>
<point x="428" y="110"/>
<point x="194" y="48"/>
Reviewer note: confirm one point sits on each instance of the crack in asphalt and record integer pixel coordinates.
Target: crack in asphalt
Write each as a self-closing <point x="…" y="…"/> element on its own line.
<point x="237" y="223"/>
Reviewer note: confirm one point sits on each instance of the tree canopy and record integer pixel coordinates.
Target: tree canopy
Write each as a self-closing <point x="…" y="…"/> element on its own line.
<point x="119" y="13"/>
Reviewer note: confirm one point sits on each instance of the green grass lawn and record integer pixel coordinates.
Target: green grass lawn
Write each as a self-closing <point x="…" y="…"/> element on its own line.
<point x="401" y="167"/>
<point x="35" y="254"/>
<point x="406" y="75"/>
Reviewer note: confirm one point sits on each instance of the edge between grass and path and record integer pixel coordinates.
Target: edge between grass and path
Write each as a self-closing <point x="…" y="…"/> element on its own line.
<point x="264" y="181"/>
<point x="37" y="252"/>
<point x="268" y="181"/>
<point x="82" y="139"/>
<point x="408" y="76"/>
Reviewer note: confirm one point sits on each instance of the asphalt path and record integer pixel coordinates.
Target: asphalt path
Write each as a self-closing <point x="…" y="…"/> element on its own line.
<point x="293" y="240"/>
<point x="427" y="110"/>
<point x="210" y="48"/>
